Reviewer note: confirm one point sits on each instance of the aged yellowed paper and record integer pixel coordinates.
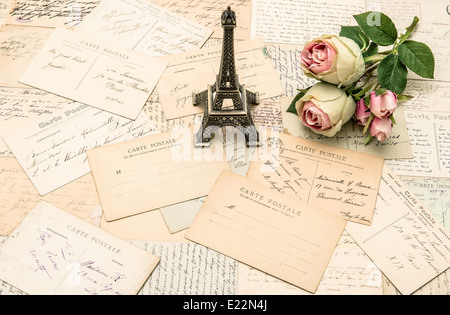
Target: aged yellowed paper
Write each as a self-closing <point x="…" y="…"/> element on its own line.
<point x="152" y="172"/>
<point x="340" y="181"/>
<point x="193" y="70"/>
<point x="208" y="13"/>
<point x="45" y="13"/>
<point x="94" y="72"/>
<point x="143" y="26"/>
<point x="418" y="244"/>
<point x="265" y="229"/>
<point x="18" y="46"/>
<point x="52" y="149"/>
<point x="53" y="252"/>
<point x="18" y="197"/>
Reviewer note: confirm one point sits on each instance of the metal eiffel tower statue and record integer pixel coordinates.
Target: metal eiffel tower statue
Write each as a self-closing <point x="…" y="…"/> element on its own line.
<point x="226" y="87"/>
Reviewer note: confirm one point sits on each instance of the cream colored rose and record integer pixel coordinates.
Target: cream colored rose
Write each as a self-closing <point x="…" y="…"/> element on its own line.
<point x="325" y="108"/>
<point x="333" y="59"/>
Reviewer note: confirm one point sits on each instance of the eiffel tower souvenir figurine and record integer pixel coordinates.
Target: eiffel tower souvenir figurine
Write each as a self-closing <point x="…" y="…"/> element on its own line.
<point x="226" y="87"/>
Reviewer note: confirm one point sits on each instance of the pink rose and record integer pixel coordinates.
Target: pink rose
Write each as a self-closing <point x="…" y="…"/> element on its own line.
<point x="314" y="117"/>
<point x="383" y="106"/>
<point x="325" y="108"/>
<point x="362" y="113"/>
<point x="318" y="56"/>
<point x="381" y="128"/>
<point x="332" y="59"/>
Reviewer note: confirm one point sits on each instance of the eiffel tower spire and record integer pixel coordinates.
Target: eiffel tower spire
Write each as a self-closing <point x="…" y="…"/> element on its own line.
<point x="226" y="87"/>
<point x="227" y="73"/>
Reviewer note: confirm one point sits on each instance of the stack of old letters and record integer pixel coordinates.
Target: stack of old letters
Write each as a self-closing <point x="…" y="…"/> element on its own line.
<point x="103" y="190"/>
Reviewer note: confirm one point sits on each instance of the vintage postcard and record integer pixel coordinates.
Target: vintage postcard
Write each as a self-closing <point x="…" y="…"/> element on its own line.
<point x="340" y="181"/>
<point x="434" y="193"/>
<point x="397" y="146"/>
<point x="267" y="230"/>
<point x="52" y="149"/>
<point x="44" y="13"/>
<point x="193" y="71"/>
<point x="53" y="252"/>
<point x="94" y="72"/>
<point x="419" y="245"/>
<point x="152" y="172"/>
<point x="143" y="26"/>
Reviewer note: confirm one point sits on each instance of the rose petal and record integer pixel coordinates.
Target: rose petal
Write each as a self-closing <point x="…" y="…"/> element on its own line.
<point x="314" y="118"/>
<point x="318" y="57"/>
<point x="384" y="105"/>
<point x="381" y="128"/>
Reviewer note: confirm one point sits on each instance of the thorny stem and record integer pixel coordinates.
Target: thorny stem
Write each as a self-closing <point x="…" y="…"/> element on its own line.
<point x="408" y="33"/>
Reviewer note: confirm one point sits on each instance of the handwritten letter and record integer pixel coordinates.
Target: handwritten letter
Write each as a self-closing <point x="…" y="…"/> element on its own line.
<point x="430" y="140"/>
<point x="18" y="46"/>
<point x="19" y="106"/>
<point x="49" y="13"/>
<point x="208" y="13"/>
<point x="52" y="149"/>
<point x="189" y="269"/>
<point x="297" y="22"/>
<point x="427" y="95"/>
<point x="144" y="27"/>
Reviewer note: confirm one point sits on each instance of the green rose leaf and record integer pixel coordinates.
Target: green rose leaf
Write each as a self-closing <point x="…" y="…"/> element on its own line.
<point x="392" y="74"/>
<point x="292" y="108"/>
<point x="378" y="27"/>
<point x="356" y="34"/>
<point x="418" y="57"/>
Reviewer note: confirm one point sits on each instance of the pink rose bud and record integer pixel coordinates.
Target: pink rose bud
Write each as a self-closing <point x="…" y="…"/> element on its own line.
<point x="315" y="118"/>
<point x="318" y="57"/>
<point x="383" y="106"/>
<point x="362" y="112"/>
<point x="381" y="128"/>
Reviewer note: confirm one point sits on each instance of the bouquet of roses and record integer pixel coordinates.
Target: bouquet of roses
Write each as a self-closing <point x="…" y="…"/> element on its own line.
<point x="347" y="88"/>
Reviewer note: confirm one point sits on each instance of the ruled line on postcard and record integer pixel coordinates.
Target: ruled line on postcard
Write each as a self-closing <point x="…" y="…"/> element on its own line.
<point x="147" y="187"/>
<point x="259" y="241"/>
<point x="314" y="244"/>
<point x="148" y="176"/>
